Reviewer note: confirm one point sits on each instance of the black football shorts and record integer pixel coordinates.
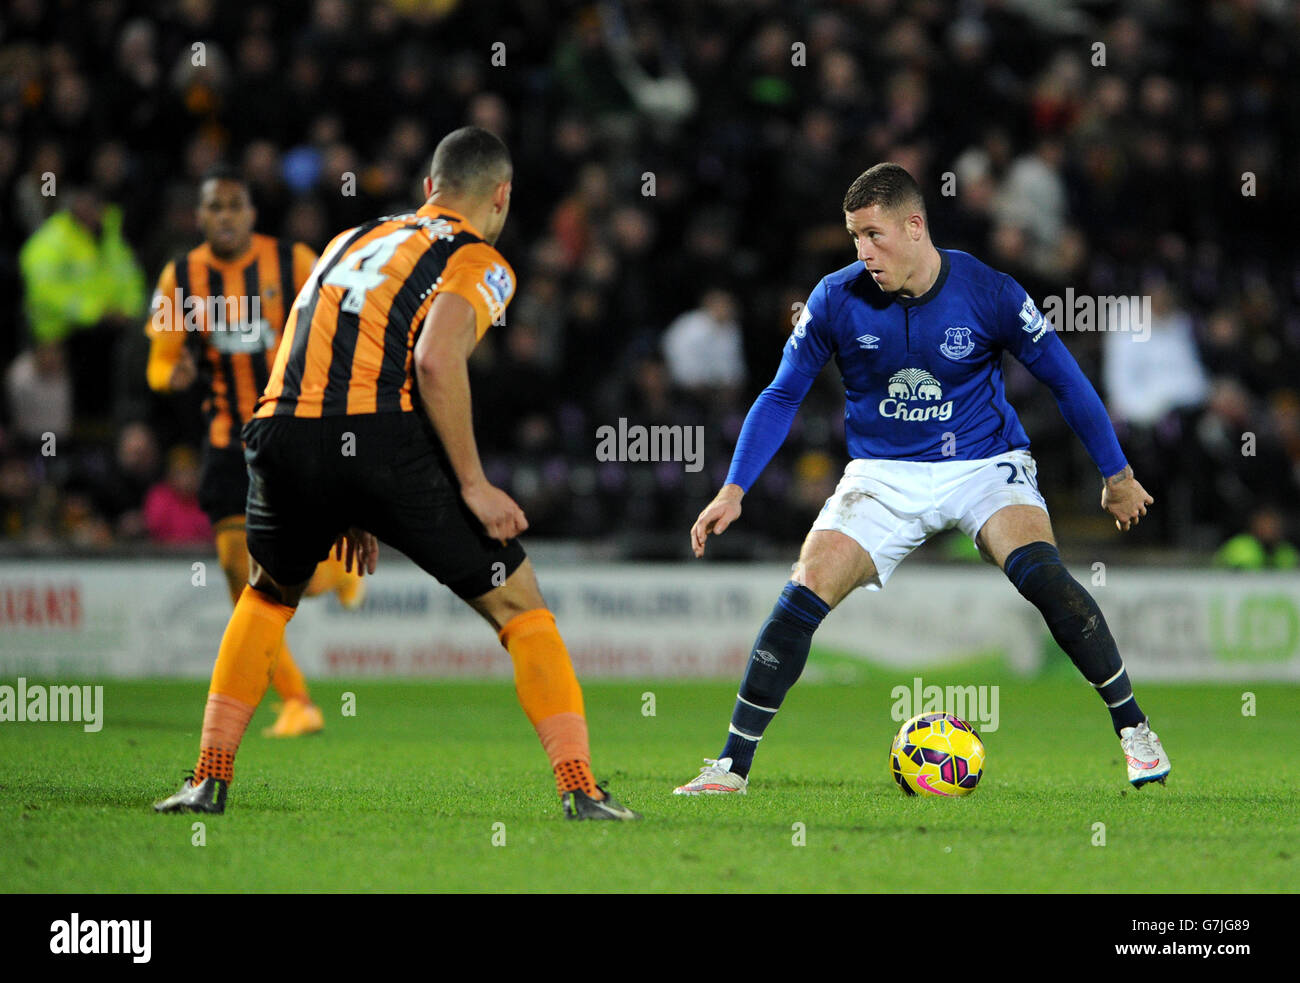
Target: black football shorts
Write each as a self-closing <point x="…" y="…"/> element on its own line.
<point x="312" y="479"/>
<point x="223" y="482"/>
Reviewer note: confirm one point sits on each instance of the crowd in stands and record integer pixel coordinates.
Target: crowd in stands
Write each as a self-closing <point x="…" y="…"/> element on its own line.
<point x="679" y="168"/>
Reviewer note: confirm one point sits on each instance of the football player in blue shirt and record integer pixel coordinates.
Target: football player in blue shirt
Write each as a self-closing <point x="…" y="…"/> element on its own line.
<point x="918" y="335"/>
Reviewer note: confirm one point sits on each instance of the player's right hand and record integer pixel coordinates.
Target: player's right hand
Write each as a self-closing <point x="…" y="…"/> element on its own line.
<point x="183" y="373"/>
<point x="716" y="517"/>
<point x="1125" y="499"/>
<point x="501" y="517"/>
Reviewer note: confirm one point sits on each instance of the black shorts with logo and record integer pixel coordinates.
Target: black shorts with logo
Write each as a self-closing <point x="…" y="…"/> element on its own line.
<point x="223" y="482"/>
<point x="386" y="473"/>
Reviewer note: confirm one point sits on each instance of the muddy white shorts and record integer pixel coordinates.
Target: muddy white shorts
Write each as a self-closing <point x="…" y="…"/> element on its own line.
<point x="891" y="507"/>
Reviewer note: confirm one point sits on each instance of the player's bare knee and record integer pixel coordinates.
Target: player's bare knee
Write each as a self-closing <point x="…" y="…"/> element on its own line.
<point x="1010" y="528"/>
<point x="832" y="565"/>
<point x="826" y="584"/>
<point x="499" y="606"/>
<point x="518" y="595"/>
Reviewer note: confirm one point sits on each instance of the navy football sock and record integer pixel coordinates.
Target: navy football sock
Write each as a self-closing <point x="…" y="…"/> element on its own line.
<point x="1078" y="626"/>
<point x="775" y="664"/>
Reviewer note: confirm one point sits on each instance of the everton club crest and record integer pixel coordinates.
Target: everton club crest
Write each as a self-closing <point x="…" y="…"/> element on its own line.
<point x="957" y="343"/>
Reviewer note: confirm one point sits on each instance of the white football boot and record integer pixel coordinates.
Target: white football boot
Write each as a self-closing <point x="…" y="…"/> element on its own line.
<point x="715" y="778"/>
<point x="1147" y="761"/>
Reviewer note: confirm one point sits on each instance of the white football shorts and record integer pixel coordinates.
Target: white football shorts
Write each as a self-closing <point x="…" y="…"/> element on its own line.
<point x="889" y="508"/>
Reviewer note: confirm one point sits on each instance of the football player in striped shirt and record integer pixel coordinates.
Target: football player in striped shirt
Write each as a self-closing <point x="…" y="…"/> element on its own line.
<point x="217" y="315"/>
<point x="365" y="433"/>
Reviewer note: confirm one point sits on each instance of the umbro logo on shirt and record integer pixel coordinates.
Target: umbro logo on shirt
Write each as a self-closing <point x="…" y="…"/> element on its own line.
<point x="868" y="341"/>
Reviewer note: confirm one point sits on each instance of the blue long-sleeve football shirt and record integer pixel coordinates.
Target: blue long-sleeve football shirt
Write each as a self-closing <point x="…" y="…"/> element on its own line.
<point x="923" y="375"/>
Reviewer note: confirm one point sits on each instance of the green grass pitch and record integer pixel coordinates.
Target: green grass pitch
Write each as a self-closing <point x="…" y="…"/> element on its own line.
<point x="406" y="795"/>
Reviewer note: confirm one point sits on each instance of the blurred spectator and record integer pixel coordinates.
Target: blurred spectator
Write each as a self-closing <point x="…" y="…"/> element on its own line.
<point x="1033" y="196"/>
<point x="32" y="198"/>
<point x="1149" y="370"/>
<point x="703" y="347"/>
<point x="576" y="218"/>
<point x="524" y="391"/>
<point x="84" y="288"/>
<point x="39" y="391"/>
<point x="81" y="526"/>
<point x="1154" y="382"/>
<point x="1233" y="462"/>
<point x="815" y="475"/>
<point x="1227" y="349"/>
<point x="967" y="224"/>
<point x="1282" y="428"/>
<point x="121" y="491"/>
<point x="585" y="71"/>
<point x="171" y="508"/>
<point x="1263" y="546"/>
<point x="18" y="488"/>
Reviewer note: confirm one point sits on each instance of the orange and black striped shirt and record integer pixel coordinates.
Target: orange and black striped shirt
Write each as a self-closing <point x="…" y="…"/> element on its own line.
<point x="232" y="315"/>
<point x="348" y="345"/>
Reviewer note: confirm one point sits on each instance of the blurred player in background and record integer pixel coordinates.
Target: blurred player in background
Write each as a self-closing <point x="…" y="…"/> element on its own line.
<point x="217" y="315"/>
<point x="365" y="432"/>
<point x="918" y="334"/>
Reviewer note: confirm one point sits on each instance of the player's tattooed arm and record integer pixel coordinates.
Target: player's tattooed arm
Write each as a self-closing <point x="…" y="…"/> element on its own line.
<point x="441" y="363"/>
<point x="1125" y="499"/>
<point x="717" y="516"/>
<point x="1119" y="476"/>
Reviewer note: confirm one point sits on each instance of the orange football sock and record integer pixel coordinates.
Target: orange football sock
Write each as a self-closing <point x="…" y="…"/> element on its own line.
<point x="245" y="664"/>
<point x="288" y="679"/>
<point x="549" y="693"/>
<point x="253" y="639"/>
<point x="570" y="775"/>
<point x="232" y="552"/>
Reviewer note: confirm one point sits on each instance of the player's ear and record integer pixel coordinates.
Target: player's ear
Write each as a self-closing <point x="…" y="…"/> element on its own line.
<point x="501" y="196"/>
<point x="428" y="186"/>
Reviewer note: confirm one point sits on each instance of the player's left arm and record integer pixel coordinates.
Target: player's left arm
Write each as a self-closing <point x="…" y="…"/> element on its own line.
<point x="1029" y="337"/>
